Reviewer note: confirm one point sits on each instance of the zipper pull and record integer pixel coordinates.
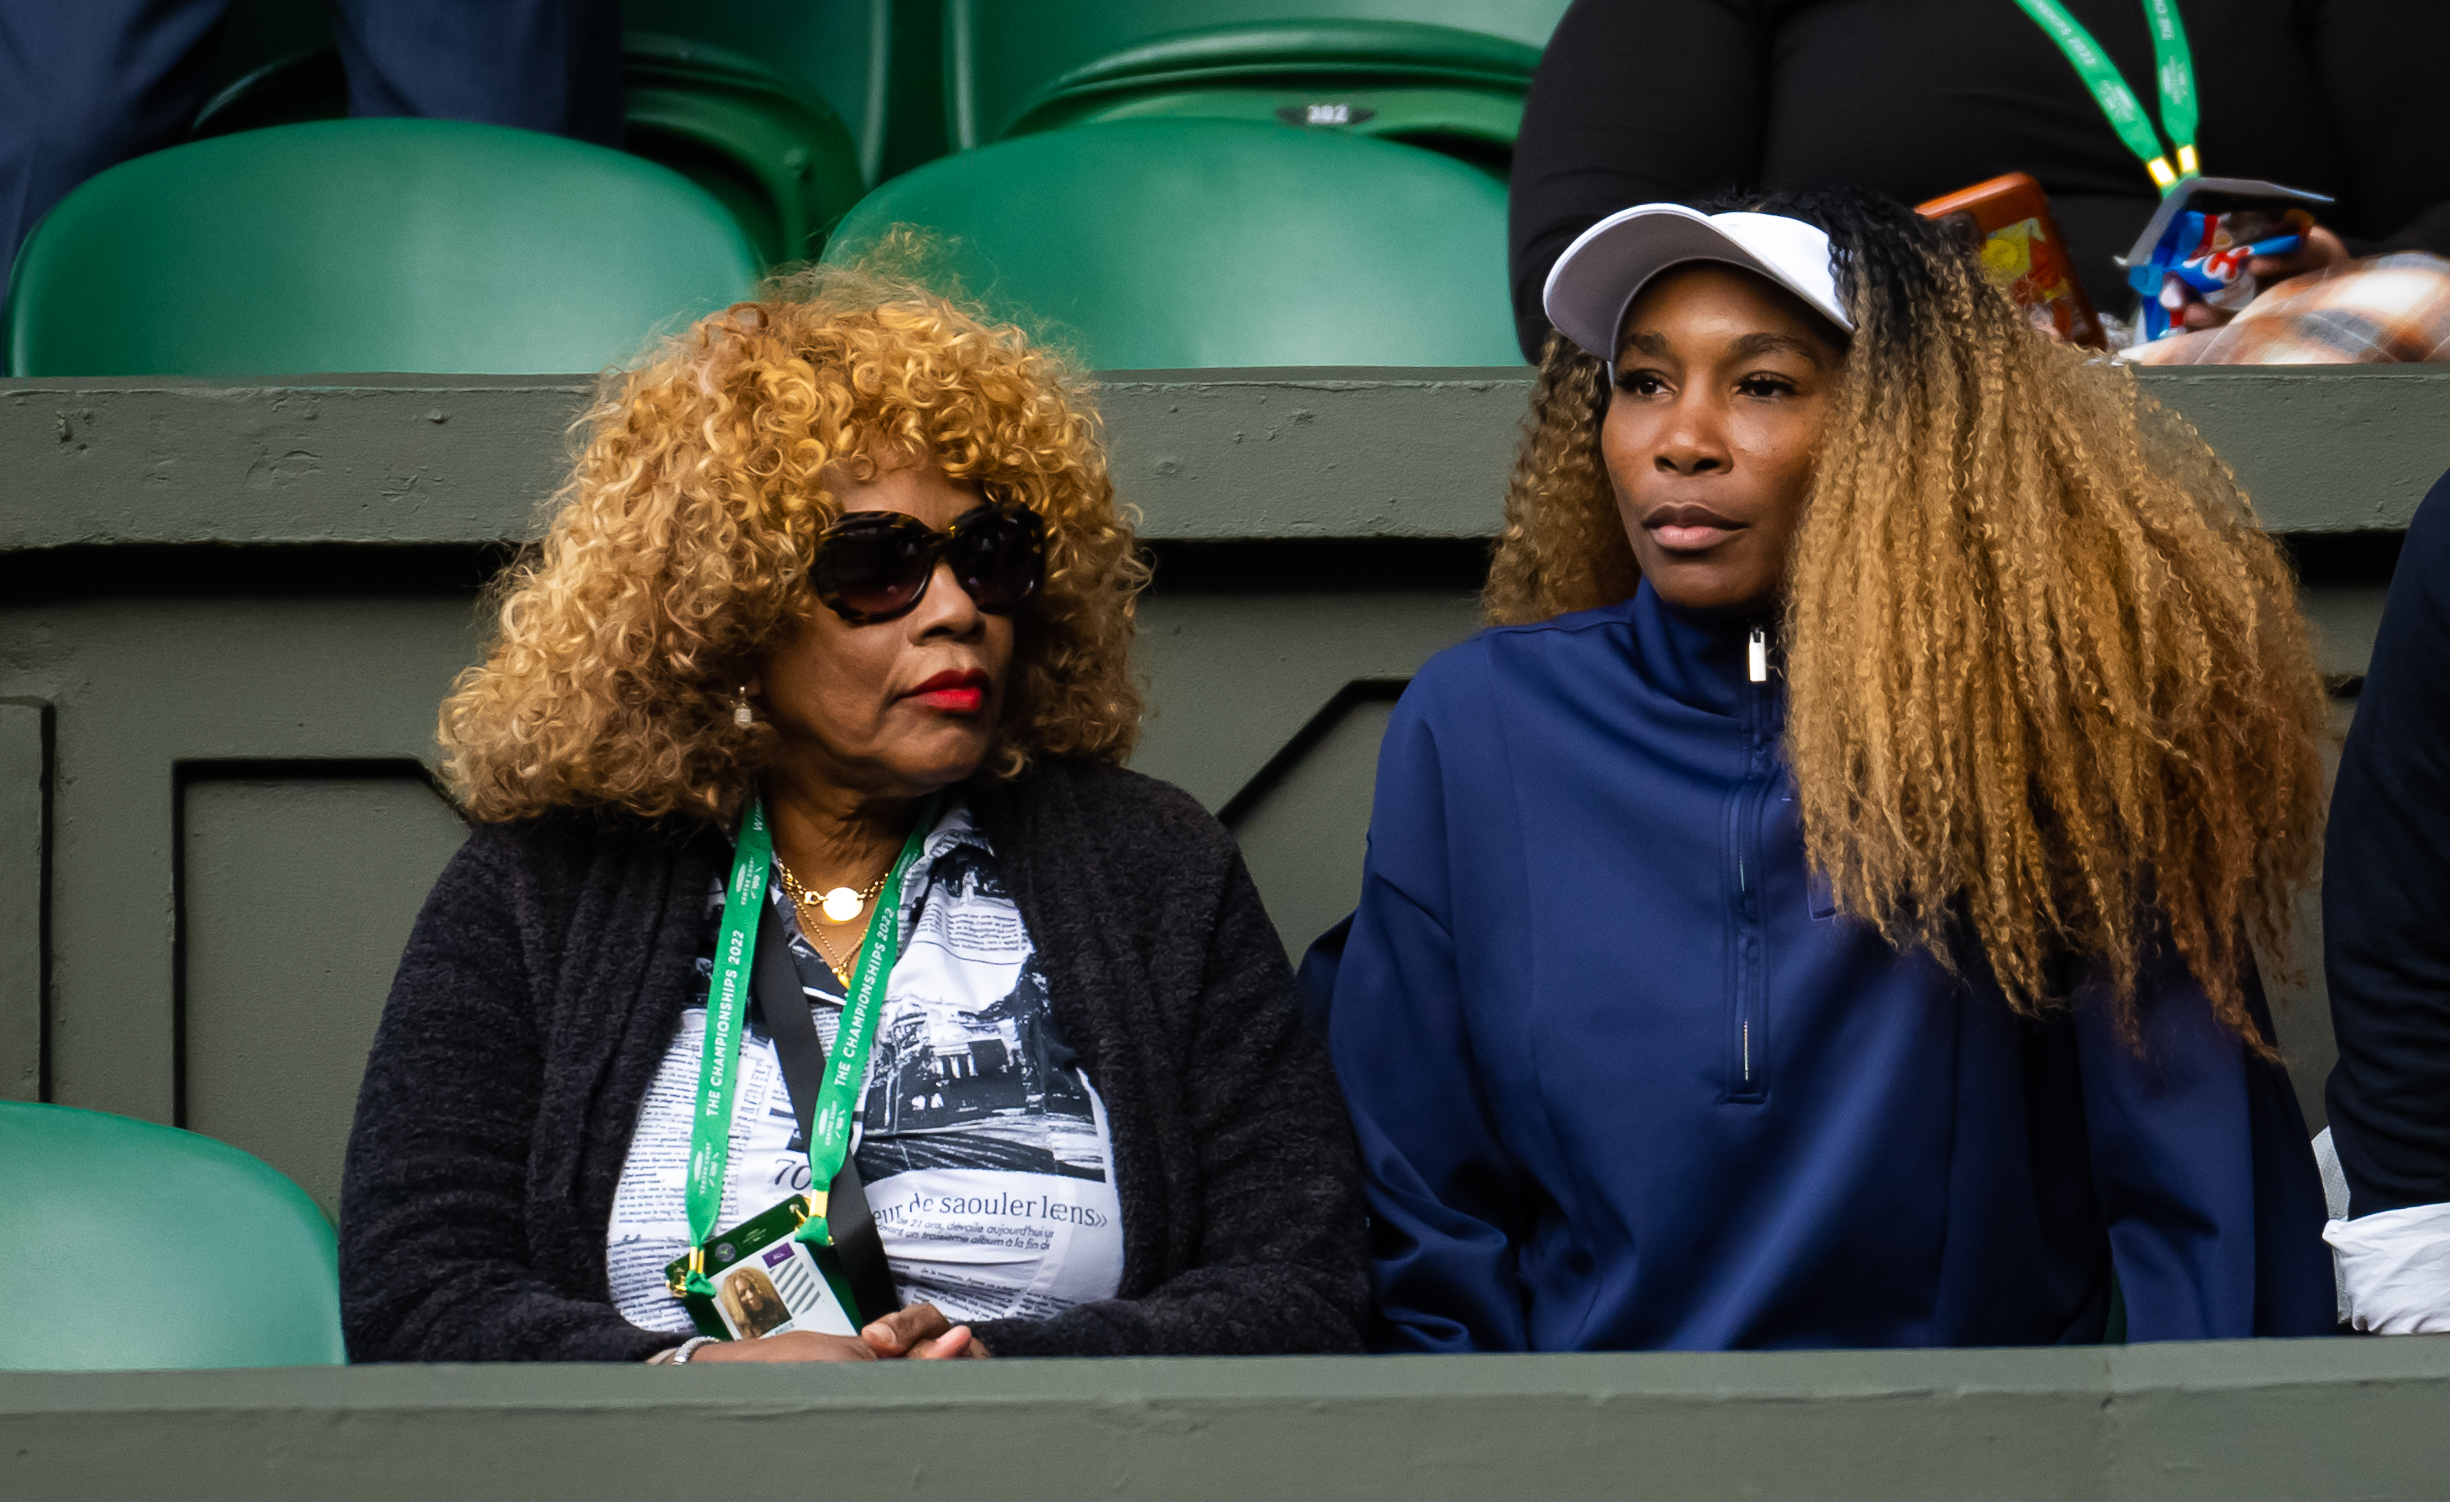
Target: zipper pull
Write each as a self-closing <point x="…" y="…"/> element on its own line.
<point x="1757" y="652"/>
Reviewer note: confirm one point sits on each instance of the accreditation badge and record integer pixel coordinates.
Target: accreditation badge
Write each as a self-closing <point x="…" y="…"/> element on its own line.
<point x="766" y="1283"/>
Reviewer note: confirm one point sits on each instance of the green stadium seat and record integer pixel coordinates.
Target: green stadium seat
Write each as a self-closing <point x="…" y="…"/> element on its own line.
<point x="765" y="144"/>
<point x="130" y="1245"/>
<point x="840" y="48"/>
<point x="1445" y="74"/>
<point x="1154" y="244"/>
<point x="368" y="246"/>
<point x="1458" y="92"/>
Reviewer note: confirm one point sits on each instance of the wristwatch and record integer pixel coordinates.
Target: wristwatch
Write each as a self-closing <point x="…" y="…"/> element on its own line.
<point x="681" y="1353"/>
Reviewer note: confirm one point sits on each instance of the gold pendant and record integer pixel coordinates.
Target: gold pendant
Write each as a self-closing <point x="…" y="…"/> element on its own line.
<point x="841" y="905"/>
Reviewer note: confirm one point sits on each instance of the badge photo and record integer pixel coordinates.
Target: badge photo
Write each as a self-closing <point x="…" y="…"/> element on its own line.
<point x="766" y="1283"/>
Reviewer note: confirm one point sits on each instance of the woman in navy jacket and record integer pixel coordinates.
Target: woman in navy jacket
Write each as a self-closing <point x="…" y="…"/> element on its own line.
<point x="1819" y="912"/>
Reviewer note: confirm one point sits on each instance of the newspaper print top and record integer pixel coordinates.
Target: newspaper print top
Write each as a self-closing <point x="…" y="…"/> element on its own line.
<point x="983" y="1144"/>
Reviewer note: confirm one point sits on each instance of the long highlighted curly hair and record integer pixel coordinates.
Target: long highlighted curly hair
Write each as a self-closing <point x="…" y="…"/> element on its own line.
<point x="2049" y="690"/>
<point x="680" y="548"/>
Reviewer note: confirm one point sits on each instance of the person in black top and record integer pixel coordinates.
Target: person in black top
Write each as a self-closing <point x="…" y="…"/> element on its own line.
<point x="1646" y="100"/>
<point x="829" y="567"/>
<point x="2386" y="954"/>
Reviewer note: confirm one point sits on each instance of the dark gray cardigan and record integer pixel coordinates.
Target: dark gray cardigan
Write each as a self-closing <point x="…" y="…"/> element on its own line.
<point x="545" y="980"/>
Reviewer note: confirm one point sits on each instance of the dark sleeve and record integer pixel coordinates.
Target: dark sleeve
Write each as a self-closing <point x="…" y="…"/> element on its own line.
<point x="2204" y="1172"/>
<point x="2386" y="895"/>
<point x="1280" y="1268"/>
<point x="434" y="1260"/>
<point x="1636" y="101"/>
<point x="1440" y="1180"/>
<point x="2382" y="63"/>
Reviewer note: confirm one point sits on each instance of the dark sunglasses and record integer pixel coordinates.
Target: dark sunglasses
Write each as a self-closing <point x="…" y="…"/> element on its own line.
<point x="875" y="565"/>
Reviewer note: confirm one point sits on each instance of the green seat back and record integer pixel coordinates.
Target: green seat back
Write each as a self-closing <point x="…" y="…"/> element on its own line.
<point x="1187" y="243"/>
<point x="1450" y="90"/>
<point x="1000" y="55"/>
<point x="837" y="47"/>
<point x="766" y="145"/>
<point x="369" y="245"/>
<point x="134" y="1245"/>
<point x="840" y="48"/>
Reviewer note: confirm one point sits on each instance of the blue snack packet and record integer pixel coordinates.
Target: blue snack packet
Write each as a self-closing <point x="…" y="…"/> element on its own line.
<point x="2203" y="256"/>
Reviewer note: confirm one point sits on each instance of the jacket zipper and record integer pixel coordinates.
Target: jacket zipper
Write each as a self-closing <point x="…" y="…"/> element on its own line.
<point x="1748" y="1047"/>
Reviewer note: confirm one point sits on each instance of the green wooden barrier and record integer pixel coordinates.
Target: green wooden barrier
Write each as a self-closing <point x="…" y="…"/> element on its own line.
<point x="227" y="615"/>
<point x="2216" y="1422"/>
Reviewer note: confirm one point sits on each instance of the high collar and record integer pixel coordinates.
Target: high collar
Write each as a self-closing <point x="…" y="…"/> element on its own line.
<point x="1699" y="661"/>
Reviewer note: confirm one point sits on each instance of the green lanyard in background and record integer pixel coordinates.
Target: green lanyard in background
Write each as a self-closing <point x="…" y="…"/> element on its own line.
<point x="710" y="1132"/>
<point x="2173" y="64"/>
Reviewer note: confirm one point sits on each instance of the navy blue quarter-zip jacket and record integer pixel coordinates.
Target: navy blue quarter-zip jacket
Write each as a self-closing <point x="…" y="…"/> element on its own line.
<point x="1623" y="1077"/>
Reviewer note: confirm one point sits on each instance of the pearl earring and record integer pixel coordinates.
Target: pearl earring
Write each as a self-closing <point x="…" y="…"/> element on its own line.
<point x="742" y="715"/>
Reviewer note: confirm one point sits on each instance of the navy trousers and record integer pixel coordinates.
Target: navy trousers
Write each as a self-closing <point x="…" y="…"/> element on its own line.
<point x="86" y="84"/>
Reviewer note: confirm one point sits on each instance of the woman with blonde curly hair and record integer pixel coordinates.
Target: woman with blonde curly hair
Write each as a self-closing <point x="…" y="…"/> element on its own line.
<point x="1821" y="910"/>
<point x="816" y="985"/>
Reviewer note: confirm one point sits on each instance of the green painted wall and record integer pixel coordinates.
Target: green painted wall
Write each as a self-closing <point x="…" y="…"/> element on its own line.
<point x="233" y="609"/>
<point x="227" y="616"/>
<point x="1206" y="455"/>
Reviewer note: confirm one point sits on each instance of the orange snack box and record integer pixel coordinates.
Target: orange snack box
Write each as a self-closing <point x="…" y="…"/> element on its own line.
<point x="2023" y="253"/>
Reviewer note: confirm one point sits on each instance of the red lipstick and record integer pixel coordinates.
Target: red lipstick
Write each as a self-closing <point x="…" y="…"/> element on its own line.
<point x="954" y="693"/>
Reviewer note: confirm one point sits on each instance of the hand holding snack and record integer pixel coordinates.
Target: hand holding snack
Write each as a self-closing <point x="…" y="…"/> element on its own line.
<point x="2321" y="250"/>
<point x="2200" y="257"/>
<point x="2311" y="249"/>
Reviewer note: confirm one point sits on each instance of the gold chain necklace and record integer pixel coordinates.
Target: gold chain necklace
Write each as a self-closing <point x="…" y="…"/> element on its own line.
<point x="827" y="950"/>
<point x="841" y="905"/>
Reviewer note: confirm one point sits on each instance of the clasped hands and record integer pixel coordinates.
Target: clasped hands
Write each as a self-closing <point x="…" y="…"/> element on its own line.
<point x="918" y="1332"/>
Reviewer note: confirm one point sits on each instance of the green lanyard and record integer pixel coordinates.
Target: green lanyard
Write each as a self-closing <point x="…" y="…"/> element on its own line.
<point x="2174" y="65"/>
<point x="710" y="1134"/>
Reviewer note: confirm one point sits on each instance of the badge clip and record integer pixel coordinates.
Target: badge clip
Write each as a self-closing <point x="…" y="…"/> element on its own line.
<point x="810" y="1209"/>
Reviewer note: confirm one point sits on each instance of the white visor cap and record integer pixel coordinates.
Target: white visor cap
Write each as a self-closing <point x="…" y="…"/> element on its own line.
<point x="1609" y="264"/>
